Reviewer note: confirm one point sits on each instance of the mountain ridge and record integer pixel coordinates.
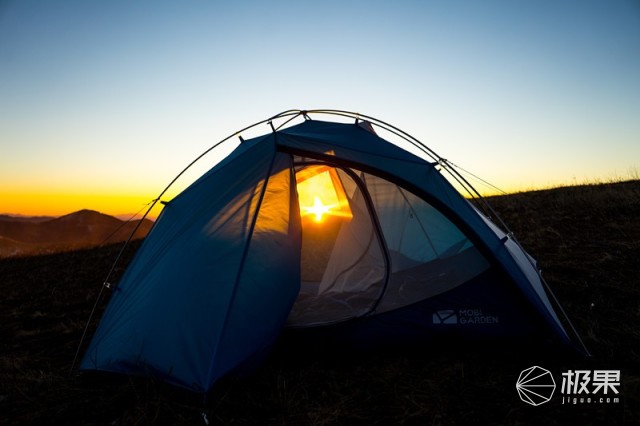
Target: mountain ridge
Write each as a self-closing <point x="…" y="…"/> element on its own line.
<point x="22" y="235"/>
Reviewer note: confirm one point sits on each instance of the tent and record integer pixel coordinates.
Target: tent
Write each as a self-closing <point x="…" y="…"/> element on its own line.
<point x="311" y="224"/>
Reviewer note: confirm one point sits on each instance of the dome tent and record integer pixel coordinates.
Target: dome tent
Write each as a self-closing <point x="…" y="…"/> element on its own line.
<point x="311" y="224"/>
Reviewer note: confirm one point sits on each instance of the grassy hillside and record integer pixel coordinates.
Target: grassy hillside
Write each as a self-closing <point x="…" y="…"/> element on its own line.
<point x="587" y="240"/>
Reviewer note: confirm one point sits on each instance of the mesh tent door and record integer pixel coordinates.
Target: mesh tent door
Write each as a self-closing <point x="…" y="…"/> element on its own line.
<point x="383" y="248"/>
<point x="343" y="266"/>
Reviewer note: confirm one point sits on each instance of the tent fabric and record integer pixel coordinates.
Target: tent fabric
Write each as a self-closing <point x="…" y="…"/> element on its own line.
<point x="235" y="257"/>
<point x="203" y="289"/>
<point x="351" y="144"/>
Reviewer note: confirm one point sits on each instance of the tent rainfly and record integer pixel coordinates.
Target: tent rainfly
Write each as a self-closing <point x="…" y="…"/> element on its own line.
<point x="317" y="223"/>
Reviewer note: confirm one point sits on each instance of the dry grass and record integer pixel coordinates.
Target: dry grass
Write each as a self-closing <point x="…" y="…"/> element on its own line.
<point x="587" y="239"/>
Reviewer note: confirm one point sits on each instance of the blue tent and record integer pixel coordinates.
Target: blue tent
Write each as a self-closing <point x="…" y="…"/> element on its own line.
<point x="311" y="224"/>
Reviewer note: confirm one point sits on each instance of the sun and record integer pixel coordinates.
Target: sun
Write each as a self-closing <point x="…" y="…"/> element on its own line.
<point x="321" y="193"/>
<point x="318" y="209"/>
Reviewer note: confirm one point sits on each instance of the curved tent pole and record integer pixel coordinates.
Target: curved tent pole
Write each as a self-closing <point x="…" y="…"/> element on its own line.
<point x="448" y="166"/>
<point x="105" y="283"/>
<point x="444" y="163"/>
<point x="291" y="114"/>
<point x="198" y="158"/>
<point x="455" y="174"/>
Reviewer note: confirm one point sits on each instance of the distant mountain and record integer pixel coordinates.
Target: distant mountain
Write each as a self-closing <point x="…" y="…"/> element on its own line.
<point x="85" y="228"/>
<point x="22" y="218"/>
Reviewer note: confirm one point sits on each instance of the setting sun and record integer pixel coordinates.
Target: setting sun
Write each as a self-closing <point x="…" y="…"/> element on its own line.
<point x="320" y="193"/>
<point x="318" y="209"/>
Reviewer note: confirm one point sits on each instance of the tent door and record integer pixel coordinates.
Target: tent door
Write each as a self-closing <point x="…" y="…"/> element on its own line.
<point x="344" y="266"/>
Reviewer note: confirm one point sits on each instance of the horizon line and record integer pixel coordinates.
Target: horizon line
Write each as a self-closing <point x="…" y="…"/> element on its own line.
<point x="486" y="194"/>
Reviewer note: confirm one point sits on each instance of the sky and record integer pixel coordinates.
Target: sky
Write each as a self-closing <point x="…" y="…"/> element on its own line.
<point x="102" y="103"/>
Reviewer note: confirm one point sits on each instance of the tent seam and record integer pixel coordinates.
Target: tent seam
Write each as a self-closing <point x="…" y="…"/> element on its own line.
<point x="245" y="252"/>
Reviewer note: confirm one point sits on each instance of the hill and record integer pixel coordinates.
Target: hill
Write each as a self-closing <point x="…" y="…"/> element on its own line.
<point x="22" y="218"/>
<point x="21" y="236"/>
<point x="586" y="239"/>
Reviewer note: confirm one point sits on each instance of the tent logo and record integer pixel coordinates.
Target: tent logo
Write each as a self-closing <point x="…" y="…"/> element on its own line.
<point x="445" y="316"/>
<point x="468" y="316"/>
<point x="535" y="385"/>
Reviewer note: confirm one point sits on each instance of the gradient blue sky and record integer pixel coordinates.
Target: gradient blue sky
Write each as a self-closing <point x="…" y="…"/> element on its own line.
<point x="103" y="102"/>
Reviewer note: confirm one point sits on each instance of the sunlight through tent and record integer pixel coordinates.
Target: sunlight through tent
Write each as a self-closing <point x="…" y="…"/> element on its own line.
<point x="321" y="194"/>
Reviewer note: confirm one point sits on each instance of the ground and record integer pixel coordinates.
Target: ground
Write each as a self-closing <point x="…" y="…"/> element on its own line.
<point x="587" y="241"/>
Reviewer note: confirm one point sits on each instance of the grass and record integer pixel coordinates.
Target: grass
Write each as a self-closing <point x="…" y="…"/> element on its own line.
<point x="587" y="239"/>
